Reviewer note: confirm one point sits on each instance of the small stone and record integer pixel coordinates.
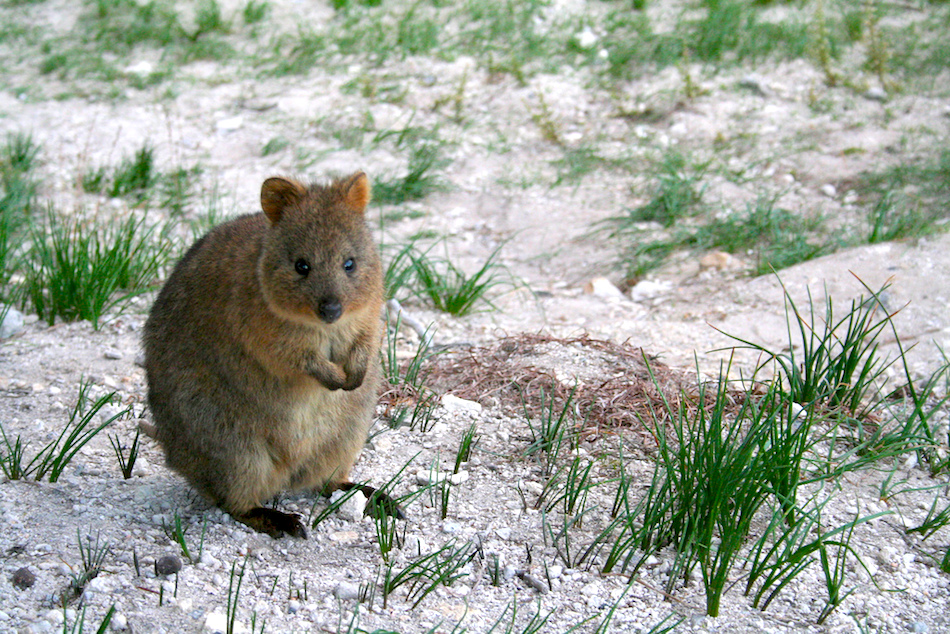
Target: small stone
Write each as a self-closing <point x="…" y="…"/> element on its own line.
<point x="415" y="545"/>
<point x="209" y="561"/>
<point x="293" y="606"/>
<point x="354" y="508"/>
<point x="140" y="68"/>
<point x="720" y="260"/>
<point x="532" y="582"/>
<point x="452" y="402"/>
<point x="12" y="323"/>
<point x="112" y="353"/>
<point x="259" y="105"/>
<point x="586" y="39"/>
<point x="141" y="467"/>
<point x="425" y="477"/>
<point x="828" y="190"/>
<point x="230" y="124"/>
<point x="591" y="589"/>
<point x="602" y="287"/>
<point x="57" y="616"/>
<point x="102" y="584"/>
<point x="216" y="622"/>
<point x="876" y="93"/>
<point x="119" y="623"/>
<point x="752" y="83"/>
<point x="24" y="578"/>
<point x="503" y="533"/>
<point x="344" y="537"/>
<point x="648" y="289"/>
<point x="381" y="444"/>
<point x="167" y="565"/>
<point x="458" y="478"/>
<point x="347" y="591"/>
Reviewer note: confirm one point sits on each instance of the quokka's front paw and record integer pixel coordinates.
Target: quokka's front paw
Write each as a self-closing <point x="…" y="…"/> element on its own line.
<point x="331" y="377"/>
<point x="353" y="381"/>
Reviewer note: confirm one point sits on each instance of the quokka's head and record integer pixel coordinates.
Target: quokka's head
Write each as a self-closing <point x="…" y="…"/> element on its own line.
<point x="318" y="260"/>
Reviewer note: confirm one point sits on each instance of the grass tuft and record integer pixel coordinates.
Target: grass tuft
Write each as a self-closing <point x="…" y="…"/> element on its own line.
<point x="441" y="282"/>
<point x="425" y="574"/>
<point x="79" y="272"/>
<point x="777" y="238"/>
<point x="255" y="11"/>
<point x="420" y="180"/>
<point x="55" y="456"/>
<point x="838" y="365"/>
<point x="126" y="462"/>
<point x="135" y="176"/>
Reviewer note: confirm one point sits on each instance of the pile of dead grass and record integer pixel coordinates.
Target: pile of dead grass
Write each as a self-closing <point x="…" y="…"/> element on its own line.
<point x="611" y="386"/>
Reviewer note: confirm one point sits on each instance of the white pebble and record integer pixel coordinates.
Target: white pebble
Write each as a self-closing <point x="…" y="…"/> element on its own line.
<point x="54" y="616"/>
<point x="140" y="68"/>
<point x="648" y="289"/>
<point x="591" y="589"/>
<point x="453" y="403"/>
<point x="119" y="623"/>
<point x="354" y="508"/>
<point x="602" y="287"/>
<point x="230" y="124"/>
<point x="347" y="591"/>
<point x="216" y="622"/>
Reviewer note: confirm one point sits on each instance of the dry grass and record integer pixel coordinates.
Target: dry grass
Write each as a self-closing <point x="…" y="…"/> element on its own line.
<point x="617" y="386"/>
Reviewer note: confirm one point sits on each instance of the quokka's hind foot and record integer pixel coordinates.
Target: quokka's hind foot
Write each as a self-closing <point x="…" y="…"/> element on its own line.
<point x="378" y="504"/>
<point x="273" y="522"/>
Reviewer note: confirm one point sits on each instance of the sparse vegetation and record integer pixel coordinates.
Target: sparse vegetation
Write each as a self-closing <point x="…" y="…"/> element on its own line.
<point x="441" y="282"/>
<point x="77" y="271"/>
<point x="126" y="461"/>
<point x="50" y="461"/>
<point x="909" y="200"/>
<point x="425" y="158"/>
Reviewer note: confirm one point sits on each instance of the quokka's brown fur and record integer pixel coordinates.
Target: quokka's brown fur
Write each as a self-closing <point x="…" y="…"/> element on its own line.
<point x="261" y="350"/>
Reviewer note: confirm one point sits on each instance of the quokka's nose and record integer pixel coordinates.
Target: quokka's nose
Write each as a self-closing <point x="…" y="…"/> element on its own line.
<point x="330" y="310"/>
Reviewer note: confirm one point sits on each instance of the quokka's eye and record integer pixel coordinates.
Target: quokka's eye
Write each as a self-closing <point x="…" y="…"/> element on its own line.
<point x="302" y="267"/>
<point x="350" y="265"/>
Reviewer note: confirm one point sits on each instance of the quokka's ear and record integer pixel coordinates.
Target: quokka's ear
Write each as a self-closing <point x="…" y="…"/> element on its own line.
<point x="279" y="193"/>
<point x="356" y="191"/>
